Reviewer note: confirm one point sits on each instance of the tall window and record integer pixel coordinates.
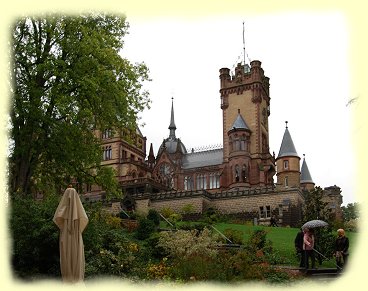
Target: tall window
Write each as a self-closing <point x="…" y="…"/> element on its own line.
<point x="107" y="153"/>
<point x="237" y="173"/>
<point x="237" y="143"/>
<point x="201" y="182"/>
<point x="188" y="183"/>
<point x="214" y="180"/>
<point x="286" y="181"/>
<point x="107" y="133"/>
<point x="286" y="164"/>
<point x="243" y="143"/>
<point x="244" y="173"/>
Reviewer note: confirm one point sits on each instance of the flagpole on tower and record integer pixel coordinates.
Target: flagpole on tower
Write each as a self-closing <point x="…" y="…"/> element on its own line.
<point x="244" y="52"/>
<point x="243" y="43"/>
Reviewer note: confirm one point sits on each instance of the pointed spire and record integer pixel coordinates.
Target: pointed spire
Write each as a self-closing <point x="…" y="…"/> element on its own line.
<point x="287" y="146"/>
<point x="151" y="156"/>
<point x="172" y="126"/>
<point x="305" y="176"/>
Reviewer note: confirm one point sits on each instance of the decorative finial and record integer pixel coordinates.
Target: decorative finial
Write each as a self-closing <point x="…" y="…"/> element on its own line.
<point x="304" y="156"/>
<point x="286" y="122"/>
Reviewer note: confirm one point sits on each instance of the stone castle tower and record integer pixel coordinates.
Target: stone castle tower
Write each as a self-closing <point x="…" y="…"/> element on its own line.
<point x="245" y="104"/>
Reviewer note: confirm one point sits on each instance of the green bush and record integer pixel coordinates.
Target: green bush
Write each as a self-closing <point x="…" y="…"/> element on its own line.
<point x="145" y="228"/>
<point x="236" y="236"/>
<point x="35" y="237"/>
<point x="154" y="216"/>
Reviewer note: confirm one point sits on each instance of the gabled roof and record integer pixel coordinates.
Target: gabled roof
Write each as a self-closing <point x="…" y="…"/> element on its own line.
<point x="287" y="146"/>
<point x="203" y="159"/>
<point x="305" y="176"/>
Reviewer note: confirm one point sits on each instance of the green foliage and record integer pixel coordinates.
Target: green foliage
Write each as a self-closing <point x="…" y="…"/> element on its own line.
<point x="314" y="207"/>
<point x="188" y="225"/>
<point x="211" y="215"/>
<point x="351" y="211"/>
<point x="182" y="244"/>
<point x="236" y="236"/>
<point x="324" y="243"/>
<point x="69" y="78"/>
<point x="145" y="228"/>
<point x="154" y="216"/>
<point x="187" y="209"/>
<point x="352" y="225"/>
<point x="167" y="212"/>
<point x="35" y="237"/>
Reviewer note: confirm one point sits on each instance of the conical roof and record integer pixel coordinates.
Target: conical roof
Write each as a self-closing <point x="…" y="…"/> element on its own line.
<point x="287" y="146"/>
<point x="305" y="176"/>
<point x="239" y="123"/>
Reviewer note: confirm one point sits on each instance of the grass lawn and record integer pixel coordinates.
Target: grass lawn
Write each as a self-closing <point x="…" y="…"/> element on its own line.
<point x="282" y="239"/>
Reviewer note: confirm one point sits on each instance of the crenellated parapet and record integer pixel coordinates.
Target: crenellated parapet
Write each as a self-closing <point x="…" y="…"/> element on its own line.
<point x="245" y="78"/>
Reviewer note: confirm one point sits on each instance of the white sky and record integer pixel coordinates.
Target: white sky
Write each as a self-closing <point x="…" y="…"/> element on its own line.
<point x="305" y="55"/>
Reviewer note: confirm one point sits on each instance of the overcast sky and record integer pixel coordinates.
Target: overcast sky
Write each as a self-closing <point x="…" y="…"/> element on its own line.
<point x="306" y="57"/>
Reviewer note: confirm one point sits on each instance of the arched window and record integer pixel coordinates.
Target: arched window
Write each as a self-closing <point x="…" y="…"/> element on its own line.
<point x="237" y="173"/>
<point x="244" y="173"/>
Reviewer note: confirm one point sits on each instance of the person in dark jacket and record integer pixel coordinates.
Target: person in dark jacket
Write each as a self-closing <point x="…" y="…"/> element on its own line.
<point x="341" y="251"/>
<point x="298" y="242"/>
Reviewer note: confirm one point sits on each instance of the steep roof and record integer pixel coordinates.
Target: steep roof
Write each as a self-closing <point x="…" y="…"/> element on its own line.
<point x="203" y="159"/>
<point x="287" y="146"/>
<point x="305" y="176"/>
<point x="239" y="123"/>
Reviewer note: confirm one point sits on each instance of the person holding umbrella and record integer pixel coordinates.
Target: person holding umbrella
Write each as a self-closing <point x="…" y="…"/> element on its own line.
<point x="341" y="252"/>
<point x="308" y="247"/>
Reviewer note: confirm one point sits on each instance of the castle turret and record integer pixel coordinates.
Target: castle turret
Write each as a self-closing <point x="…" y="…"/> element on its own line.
<point x="288" y="163"/>
<point x="239" y="156"/>
<point x="306" y="181"/>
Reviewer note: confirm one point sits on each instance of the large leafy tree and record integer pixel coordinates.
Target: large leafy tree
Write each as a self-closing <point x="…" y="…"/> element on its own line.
<point x="68" y="78"/>
<point x="350" y="211"/>
<point x="315" y="207"/>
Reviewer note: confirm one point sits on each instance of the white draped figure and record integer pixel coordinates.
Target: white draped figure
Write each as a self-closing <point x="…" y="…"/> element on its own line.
<point x="71" y="219"/>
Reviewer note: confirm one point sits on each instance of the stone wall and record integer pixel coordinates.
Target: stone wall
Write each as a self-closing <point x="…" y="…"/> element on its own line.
<point x="285" y="205"/>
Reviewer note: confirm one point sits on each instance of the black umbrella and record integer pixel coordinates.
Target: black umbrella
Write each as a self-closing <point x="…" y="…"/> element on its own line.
<point x="314" y="223"/>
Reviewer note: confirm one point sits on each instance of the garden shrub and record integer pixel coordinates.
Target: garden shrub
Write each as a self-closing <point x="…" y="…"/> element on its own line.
<point x="166" y="212"/>
<point x="35" y="237"/>
<point x="154" y="216"/>
<point x="113" y="221"/>
<point x="193" y="226"/>
<point x="145" y="228"/>
<point x="182" y="244"/>
<point x="211" y="216"/>
<point x="187" y="209"/>
<point x="236" y="236"/>
<point x="159" y="271"/>
<point x="351" y="225"/>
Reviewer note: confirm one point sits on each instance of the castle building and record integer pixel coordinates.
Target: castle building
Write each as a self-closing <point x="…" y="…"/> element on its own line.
<point x="235" y="179"/>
